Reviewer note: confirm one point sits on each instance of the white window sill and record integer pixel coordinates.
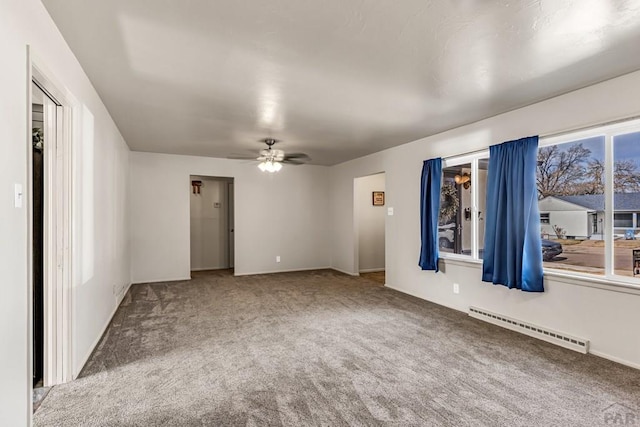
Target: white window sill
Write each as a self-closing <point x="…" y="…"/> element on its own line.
<point x="572" y="278"/>
<point x="463" y="260"/>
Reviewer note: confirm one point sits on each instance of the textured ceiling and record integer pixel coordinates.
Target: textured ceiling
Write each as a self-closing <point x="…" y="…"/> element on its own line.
<point x="337" y="79"/>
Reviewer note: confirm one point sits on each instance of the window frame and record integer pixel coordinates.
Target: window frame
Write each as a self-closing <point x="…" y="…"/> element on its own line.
<point x="609" y="132"/>
<point x="473" y="159"/>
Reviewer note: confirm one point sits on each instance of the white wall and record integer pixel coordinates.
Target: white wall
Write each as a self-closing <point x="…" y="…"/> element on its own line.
<point x="604" y="316"/>
<point x="101" y="260"/>
<point x="370" y="220"/>
<point x="209" y="224"/>
<point x="283" y="214"/>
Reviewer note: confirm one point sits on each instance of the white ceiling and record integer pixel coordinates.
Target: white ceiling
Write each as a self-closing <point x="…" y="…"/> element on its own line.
<point x="337" y="79"/>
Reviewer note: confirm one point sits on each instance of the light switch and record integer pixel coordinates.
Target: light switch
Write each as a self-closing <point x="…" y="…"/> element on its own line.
<point x="18" y="195"/>
<point x="390" y="211"/>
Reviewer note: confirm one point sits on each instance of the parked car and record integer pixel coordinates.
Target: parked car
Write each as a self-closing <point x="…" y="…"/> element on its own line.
<point x="445" y="236"/>
<point x="550" y="249"/>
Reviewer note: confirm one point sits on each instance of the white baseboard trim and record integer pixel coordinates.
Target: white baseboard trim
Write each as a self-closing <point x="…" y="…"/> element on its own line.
<point x="372" y="270"/>
<point x="280" y="271"/>
<point x="615" y="359"/>
<point x="344" y="271"/>
<point x="119" y="299"/>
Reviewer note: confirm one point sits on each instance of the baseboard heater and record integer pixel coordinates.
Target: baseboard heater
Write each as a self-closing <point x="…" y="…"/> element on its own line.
<point x="554" y="337"/>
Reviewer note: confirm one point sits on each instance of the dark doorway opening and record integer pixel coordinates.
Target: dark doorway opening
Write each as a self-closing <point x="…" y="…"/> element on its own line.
<point x="37" y="206"/>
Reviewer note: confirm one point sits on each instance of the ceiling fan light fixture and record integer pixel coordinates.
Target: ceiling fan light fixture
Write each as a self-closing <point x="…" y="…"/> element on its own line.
<point x="270" y="166"/>
<point x="271" y="160"/>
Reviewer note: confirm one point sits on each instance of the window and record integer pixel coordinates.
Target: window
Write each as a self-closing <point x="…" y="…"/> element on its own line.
<point x="588" y="196"/>
<point x="570" y="180"/>
<point x="462" y="205"/>
<point x="589" y="191"/>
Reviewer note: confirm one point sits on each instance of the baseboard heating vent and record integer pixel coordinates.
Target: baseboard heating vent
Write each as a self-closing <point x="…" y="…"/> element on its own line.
<point x="554" y="337"/>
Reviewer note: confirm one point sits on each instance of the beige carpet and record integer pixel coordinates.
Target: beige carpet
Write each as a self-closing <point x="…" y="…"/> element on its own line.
<point x="375" y="276"/>
<point x="322" y="348"/>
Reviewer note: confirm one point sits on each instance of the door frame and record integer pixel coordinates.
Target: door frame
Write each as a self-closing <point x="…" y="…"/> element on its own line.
<point x="229" y="185"/>
<point x="58" y="235"/>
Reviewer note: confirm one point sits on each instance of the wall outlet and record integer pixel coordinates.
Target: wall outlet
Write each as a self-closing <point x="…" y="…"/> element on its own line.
<point x="456" y="288"/>
<point x="390" y="211"/>
<point x="278" y="258"/>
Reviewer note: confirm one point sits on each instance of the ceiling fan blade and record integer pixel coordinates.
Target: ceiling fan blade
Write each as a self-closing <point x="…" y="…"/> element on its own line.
<point x="242" y="157"/>
<point x="293" y="161"/>
<point x="298" y="156"/>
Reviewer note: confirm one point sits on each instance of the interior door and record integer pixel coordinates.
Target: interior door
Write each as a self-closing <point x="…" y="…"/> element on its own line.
<point x="46" y="171"/>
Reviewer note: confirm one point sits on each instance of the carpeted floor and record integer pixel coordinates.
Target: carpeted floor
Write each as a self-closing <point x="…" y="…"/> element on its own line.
<point x="327" y="349"/>
<point x="375" y="276"/>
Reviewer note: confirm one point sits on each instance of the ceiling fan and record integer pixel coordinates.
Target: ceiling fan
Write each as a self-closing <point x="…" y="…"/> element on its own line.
<point x="271" y="159"/>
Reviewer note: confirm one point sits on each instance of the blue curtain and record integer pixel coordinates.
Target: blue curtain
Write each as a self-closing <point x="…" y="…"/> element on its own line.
<point x="429" y="211"/>
<point x="512" y="247"/>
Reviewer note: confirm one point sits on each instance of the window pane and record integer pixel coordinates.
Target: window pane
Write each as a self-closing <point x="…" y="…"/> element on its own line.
<point x="570" y="179"/>
<point x="454" y="231"/>
<point x="626" y="203"/>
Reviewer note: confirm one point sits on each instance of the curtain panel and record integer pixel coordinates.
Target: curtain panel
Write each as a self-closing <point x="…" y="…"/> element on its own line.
<point x="429" y="211"/>
<point x="513" y="247"/>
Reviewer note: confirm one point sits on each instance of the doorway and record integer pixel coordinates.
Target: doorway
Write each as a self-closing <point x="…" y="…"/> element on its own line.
<point x="49" y="214"/>
<point x="369" y="224"/>
<point x="212" y="223"/>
